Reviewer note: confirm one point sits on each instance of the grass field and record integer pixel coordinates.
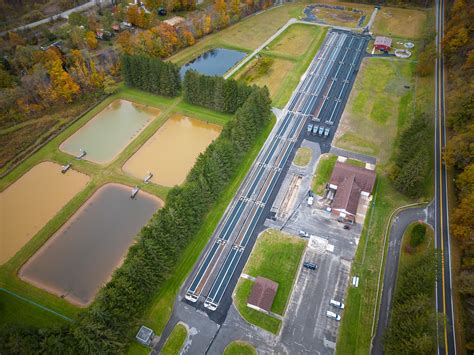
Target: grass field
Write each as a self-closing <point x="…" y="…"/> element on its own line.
<point x="275" y="256"/>
<point x="397" y="22"/>
<point x="302" y="157"/>
<point x="380" y="103"/>
<point x="294" y="41"/>
<point x="355" y="330"/>
<point x="17" y="311"/>
<point x="290" y="61"/>
<point x="160" y="310"/>
<point x="239" y="348"/>
<point x="100" y="175"/>
<point x="323" y="172"/>
<point x="175" y="341"/>
<point x="274" y="78"/>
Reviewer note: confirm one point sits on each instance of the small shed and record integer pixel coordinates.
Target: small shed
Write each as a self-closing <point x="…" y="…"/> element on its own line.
<point x="383" y="43"/>
<point x="262" y="295"/>
<point x="145" y="335"/>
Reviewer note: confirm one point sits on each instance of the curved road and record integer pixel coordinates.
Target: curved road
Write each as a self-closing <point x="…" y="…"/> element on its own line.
<point x="399" y="223"/>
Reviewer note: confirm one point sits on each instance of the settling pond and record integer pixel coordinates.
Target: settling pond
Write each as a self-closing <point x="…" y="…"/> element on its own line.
<point x="172" y="151"/>
<point x="110" y="131"/>
<point x="80" y="258"/>
<point x="215" y="62"/>
<point x="30" y="202"/>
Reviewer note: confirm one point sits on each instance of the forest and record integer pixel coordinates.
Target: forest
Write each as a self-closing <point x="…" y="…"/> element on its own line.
<point x="106" y="326"/>
<point x="459" y="57"/>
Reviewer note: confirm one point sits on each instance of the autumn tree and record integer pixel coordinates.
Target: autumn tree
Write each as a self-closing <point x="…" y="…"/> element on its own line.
<point x="91" y="40"/>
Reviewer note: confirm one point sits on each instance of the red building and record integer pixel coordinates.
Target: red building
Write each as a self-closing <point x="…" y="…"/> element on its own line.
<point x="383" y="43"/>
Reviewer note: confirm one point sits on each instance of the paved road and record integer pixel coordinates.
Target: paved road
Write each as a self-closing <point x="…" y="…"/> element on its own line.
<point x="399" y="223"/>
<point x="64" y="14"/>
<point x="444" y="300"/>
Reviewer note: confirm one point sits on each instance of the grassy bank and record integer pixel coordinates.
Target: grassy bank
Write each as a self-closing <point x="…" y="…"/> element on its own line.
<point x="175" y="341"/>
<point x="323" y="172"/>
<point x="302" y="157"/>
<point x="160" y="310"/>
<point x="239" y="348"/>
<point x="275" y="256"/>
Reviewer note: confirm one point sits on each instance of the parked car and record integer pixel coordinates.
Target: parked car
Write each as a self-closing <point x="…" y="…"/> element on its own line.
<point x="336" y="304"/>
<point x="310" y="200"/>
<point x="310" y="128"/>
<point x="309" y="265"/>
<point x="304" y="234"/>
<point x="333" y="315"/>
<point x="315" y="128"/>
<point x="327" y="130"/>
<point x="321" y="130"/>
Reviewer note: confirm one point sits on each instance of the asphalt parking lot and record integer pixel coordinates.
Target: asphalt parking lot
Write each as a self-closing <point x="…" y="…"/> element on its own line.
<point x="307" y="329"/>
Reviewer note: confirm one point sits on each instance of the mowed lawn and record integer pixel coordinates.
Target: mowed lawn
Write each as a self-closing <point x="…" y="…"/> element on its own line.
<point x="397" y="22"/>
<point x="275" y="256"/>
<point x="379" y="104"/>
<point x="303" y="156"/>
<point x="239" y="348"/>
<point x="323" y="172"/>
<point x="175" y="341"/>
<point x="295" y="40"/>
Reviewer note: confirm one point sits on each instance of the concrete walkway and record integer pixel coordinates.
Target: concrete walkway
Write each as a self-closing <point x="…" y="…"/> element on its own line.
<point x="349" y="154"/>
<point x="64" y="14"/>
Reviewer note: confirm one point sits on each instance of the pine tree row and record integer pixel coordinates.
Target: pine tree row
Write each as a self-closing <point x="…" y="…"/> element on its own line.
<point x="214" y="92"/>
<point x="151" y="74"/>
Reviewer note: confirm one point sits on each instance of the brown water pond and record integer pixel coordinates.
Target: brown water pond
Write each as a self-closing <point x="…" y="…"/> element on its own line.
<point x="29" y="203"/>
<point x="110" y="131"/>
<point x="171" y="152"/>
<point x="80" y="258"/>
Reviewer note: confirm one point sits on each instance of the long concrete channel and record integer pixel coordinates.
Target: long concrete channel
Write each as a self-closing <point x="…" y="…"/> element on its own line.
<point x="320" y="95"/>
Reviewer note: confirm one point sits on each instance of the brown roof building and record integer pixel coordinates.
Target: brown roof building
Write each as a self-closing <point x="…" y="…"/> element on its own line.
<point x="262" y="295"/>
<point x="350" y="182"/>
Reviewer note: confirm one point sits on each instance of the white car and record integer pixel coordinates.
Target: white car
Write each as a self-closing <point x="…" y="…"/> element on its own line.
<point x="333" y="315"/>
<point x="336" y="304"/>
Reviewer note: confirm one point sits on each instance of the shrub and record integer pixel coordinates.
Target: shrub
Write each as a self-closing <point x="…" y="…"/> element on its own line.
<point x="418" y="235"/>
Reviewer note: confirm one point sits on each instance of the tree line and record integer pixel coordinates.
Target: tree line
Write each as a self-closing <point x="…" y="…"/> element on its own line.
<point x="106" y="325"/>
<point x="458" y="45"/>
<point x="151" y="74"/>
<point x="413" y="157"/>
<point x="215" y="92"/>
<point x="413" y="319"/>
